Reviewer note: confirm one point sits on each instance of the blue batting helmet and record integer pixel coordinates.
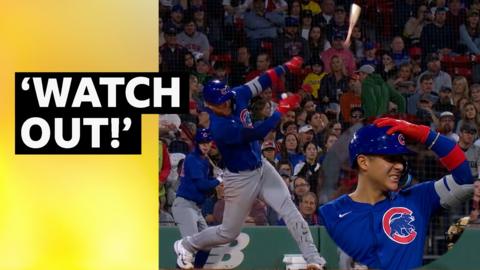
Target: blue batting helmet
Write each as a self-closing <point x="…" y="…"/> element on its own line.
<point x="203" y="136"/>
<point x="217" y="92"/>
<point x="373" y="140"/>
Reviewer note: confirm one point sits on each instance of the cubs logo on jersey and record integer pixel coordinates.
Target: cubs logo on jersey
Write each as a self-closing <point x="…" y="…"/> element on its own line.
<point x="246" y="119"/>
<point x="397" y="225"/>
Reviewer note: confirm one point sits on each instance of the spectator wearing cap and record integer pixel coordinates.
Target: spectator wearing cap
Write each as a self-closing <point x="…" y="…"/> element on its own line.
<point x="468" y="115"/>
<point x="337" y="49"/>
<point x="351" y="98"/>
<point x="437" y="37"/>
<point x="305" y="135"/>
<point x="269" y="151"/>
<point x="176" y="17"/>
<point x="338" y="25"/>
<point x="414" y="26"/>
<point x="306" y="20"/>
<point x="324" y="18"/>
<point x="425" y="112"/>
<point x="425" y="90"/>
<point x="440" y="77"/>
<point x="314" y="78"/>
<point x="173" y="54"/>
<point x="313" y="6"/>
<point x="261" y="25"/>
<point x="399" y="54"/>
<point x="196" y="42"/>
<point x="470" y="32"/>
<point x="377" y="94"/>
<point x="444" y="102"/>
<point x="290" y="43"/>
<point x="370" y="57"/>
<point x="467" y="136"/>
<point x="446" y="125"/>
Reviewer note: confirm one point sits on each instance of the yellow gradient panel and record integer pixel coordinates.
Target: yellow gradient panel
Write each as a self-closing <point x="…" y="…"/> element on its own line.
<point x="77" y="211"/>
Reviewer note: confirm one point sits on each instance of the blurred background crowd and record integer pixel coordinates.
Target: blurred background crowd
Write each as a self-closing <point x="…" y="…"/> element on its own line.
<point x="410" y="59"/>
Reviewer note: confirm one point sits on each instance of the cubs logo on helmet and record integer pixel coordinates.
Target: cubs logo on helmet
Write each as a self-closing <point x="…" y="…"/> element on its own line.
<point x="203" y="135"/>
<point x="373" y="140"/>
<point x="401" y="139"/>
<point x="397" y="225"/>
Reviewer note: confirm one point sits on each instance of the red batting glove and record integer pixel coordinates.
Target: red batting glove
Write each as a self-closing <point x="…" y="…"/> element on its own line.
<point x="294" y="65"/>
<point x="289" y="103"/>
<point x="414" y="132"/>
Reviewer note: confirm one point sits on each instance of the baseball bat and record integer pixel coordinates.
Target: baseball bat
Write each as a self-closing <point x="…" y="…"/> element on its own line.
<point x="355" y="11"/>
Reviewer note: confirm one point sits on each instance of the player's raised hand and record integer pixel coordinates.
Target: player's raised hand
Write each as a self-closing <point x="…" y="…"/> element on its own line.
<point x="412" y="131"/>
<point x="288" y="103"/>
<point x="295" y="64"/>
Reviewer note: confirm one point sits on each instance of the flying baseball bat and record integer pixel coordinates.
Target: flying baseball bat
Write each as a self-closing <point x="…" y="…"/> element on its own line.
<point x="354" y="15"/>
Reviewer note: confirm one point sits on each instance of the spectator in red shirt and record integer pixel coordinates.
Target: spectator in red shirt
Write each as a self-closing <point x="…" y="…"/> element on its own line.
<point x="338" y="49"/>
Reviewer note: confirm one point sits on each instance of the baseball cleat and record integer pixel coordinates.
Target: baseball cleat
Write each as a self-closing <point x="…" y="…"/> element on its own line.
<point x="184" y="257"/>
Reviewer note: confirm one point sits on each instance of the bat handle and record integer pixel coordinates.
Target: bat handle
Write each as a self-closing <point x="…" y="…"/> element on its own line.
<point x="346" y="43"/>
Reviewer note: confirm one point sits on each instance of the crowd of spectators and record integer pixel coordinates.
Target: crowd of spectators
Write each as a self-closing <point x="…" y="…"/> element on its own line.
<point x="399" y="63"/>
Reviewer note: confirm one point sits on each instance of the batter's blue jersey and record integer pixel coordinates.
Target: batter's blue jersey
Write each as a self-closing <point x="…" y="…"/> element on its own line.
<point x="388" y="235"/>
<point x="195" y="185"/>
<point x="235" y="136"/>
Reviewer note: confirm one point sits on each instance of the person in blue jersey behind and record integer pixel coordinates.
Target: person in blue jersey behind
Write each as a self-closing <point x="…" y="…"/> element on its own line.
<point x="390" y="221"/>
<point x="195" y="187"/>
<point x="247" y="175"/>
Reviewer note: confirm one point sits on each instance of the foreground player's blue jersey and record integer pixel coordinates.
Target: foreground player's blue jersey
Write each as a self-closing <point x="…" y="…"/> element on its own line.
<point x="388" y="235"/>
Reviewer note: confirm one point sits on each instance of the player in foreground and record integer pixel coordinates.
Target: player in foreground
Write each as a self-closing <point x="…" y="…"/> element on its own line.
<point x="195" y="186"/>
<point x="247" y="175"/>
<point x="378" y="225"/>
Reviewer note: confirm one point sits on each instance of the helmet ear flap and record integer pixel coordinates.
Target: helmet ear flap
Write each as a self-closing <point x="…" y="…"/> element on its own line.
<point x="406" y="178"/>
